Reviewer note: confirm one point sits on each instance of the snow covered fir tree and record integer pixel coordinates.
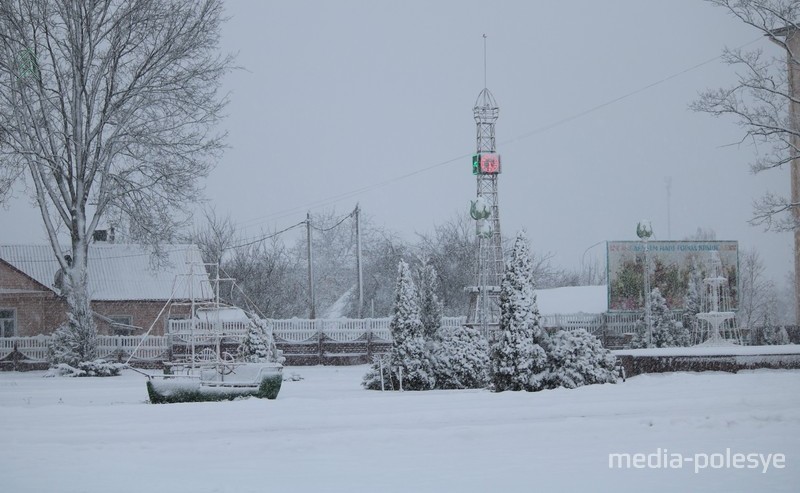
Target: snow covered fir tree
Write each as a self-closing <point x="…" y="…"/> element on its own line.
<point x="664" y="330"/>
<point x="408" y="362"/>
<point x="517" y="360"/>
<point x="258" y="345"/>
<point x="461" y="359"/>
<point x="578" y="358"/>
<point x="429" y="305"/>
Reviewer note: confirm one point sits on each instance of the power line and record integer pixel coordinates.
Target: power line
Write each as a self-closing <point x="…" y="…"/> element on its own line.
<point x="358" y="191"/>
<point x="343" y="219"/>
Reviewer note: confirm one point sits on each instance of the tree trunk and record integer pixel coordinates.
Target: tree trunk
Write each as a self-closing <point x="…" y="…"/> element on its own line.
<point x="77" y="340"/>
<point x="793" y="42"/>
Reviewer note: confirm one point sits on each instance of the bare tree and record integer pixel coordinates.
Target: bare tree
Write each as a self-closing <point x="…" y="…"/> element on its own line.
<point x="215" y="237"/>
<point x="702" y="234"/>
<point x="452" y="251"/>
<point x="757" y="292"/>
<point x="109" y="106"/>
<point x="765" y="101"/>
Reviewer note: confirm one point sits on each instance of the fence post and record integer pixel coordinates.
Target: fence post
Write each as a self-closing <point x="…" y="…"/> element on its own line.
<point x="320" y="337"/>
<point x="368" y="323"/>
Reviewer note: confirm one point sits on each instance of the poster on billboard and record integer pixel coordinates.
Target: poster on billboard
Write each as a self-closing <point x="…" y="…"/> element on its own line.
<point x="672" y="265"/>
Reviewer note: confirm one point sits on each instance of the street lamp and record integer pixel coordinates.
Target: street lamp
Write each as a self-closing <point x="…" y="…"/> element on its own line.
<point x="644" y="230"/>
<point x="583" y="261"/>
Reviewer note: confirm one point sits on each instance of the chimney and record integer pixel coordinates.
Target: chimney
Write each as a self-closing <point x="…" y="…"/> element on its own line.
<point x="104" y="235"/>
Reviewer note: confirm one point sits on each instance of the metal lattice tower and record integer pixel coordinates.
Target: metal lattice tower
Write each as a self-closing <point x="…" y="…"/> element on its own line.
<point x="484" y="306"/>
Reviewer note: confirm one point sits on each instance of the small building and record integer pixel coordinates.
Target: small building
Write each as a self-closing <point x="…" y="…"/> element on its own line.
<point x="129" y="291"/>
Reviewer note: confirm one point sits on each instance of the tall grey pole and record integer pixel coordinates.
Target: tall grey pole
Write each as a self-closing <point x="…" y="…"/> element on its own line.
<point x="647" y="322"/>
<point x="358" y="261"/>
<point x="791" y="35"/>
<point x="793" y="45"/>
<point x="313" y="314"/>
<point x="644" y="230"/>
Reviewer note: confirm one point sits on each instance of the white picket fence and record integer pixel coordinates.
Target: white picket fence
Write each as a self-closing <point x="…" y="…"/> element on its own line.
<point x="298" y="331"/>
<point x="35" y="349"/>
<point x="290" y="332"/>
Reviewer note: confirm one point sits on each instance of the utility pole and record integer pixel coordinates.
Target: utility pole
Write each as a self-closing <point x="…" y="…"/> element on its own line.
<point x="791" y="35"/>
<point x="358" y="261"/>
<point x="668" y="183"/>
<point x="313" y="314"/>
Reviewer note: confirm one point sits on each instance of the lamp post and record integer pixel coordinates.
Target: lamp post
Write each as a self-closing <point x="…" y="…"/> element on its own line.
<point x="583" y="261"/>
<point x="644" y="230"/>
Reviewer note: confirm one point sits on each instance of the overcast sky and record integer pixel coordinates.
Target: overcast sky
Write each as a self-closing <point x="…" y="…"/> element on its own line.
<point x="338" y="96"/>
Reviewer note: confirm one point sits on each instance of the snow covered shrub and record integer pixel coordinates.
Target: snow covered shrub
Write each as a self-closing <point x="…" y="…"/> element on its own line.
<point x="72" y="344"/>
<point x="96" y="368"/>
<point x="517" y="360"/>
<point x="372" y="379"/>
<point x="259" y="345"/>
<point x="408" y="358"/>
<point x="666" y="332"/>
<point x="774" y="335"/>
<point x="578" y="358"/>
<point x="76" y="340"/>
<point x="461" y="359"/>
<point x="256" y="345"/>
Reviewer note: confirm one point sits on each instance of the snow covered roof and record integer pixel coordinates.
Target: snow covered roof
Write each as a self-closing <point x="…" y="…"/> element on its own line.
<point x="573" y="299"/>
<point x="120" y="271"/>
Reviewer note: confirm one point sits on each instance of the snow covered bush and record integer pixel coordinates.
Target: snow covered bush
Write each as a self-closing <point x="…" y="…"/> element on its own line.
<point x="76" y="340"/>
<point x="578" y="358"/>
<point x="259" y="345"/>
<point x="517" y="360"/>
<point x="774" y="335"/>
<point x="372" y="379"/>
<point x="408" y="358"/>
<point x="96" y="368"/>
<point x="256" y="345"/>
<point x="665" y="331"/>
<point x="461" y="359"/>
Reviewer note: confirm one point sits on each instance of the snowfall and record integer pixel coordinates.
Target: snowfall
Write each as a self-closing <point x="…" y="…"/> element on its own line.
<point x="325" y="433"/>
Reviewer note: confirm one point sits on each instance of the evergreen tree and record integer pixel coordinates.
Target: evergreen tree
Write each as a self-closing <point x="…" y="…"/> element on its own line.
<point x="408" y="359"/>
<point x="665" y="332"/>
<point x="578" y="358"/>
<point x="430" y="308"/>
<point x="256" y="346"/>
<point x="461" y="359"/>
<point x="517" y="360"/>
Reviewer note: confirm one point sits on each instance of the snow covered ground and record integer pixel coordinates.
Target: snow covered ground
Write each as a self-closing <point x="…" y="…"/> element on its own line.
<point x="324" y="433"/>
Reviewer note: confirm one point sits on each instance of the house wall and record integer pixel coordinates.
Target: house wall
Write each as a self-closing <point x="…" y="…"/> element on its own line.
<point x="142" y="314"/>
<point x="40" y="311"/>
<point x="37" y="307"/>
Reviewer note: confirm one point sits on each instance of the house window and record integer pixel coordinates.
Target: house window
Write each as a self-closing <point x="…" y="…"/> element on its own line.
<point x="8" y="322"/>
<point x="121" y="325"/>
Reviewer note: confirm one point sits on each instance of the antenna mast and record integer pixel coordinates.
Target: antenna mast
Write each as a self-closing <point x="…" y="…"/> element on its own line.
<point x="484" y="304"/>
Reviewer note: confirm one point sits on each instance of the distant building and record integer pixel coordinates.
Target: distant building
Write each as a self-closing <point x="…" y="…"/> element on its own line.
<point x="126" y="290"/>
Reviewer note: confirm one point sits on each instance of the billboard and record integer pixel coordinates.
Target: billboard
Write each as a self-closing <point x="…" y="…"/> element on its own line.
<point x="672" y="264"/>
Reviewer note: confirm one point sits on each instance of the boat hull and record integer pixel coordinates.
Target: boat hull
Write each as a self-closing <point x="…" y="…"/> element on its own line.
<point x="176" y="389"/>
